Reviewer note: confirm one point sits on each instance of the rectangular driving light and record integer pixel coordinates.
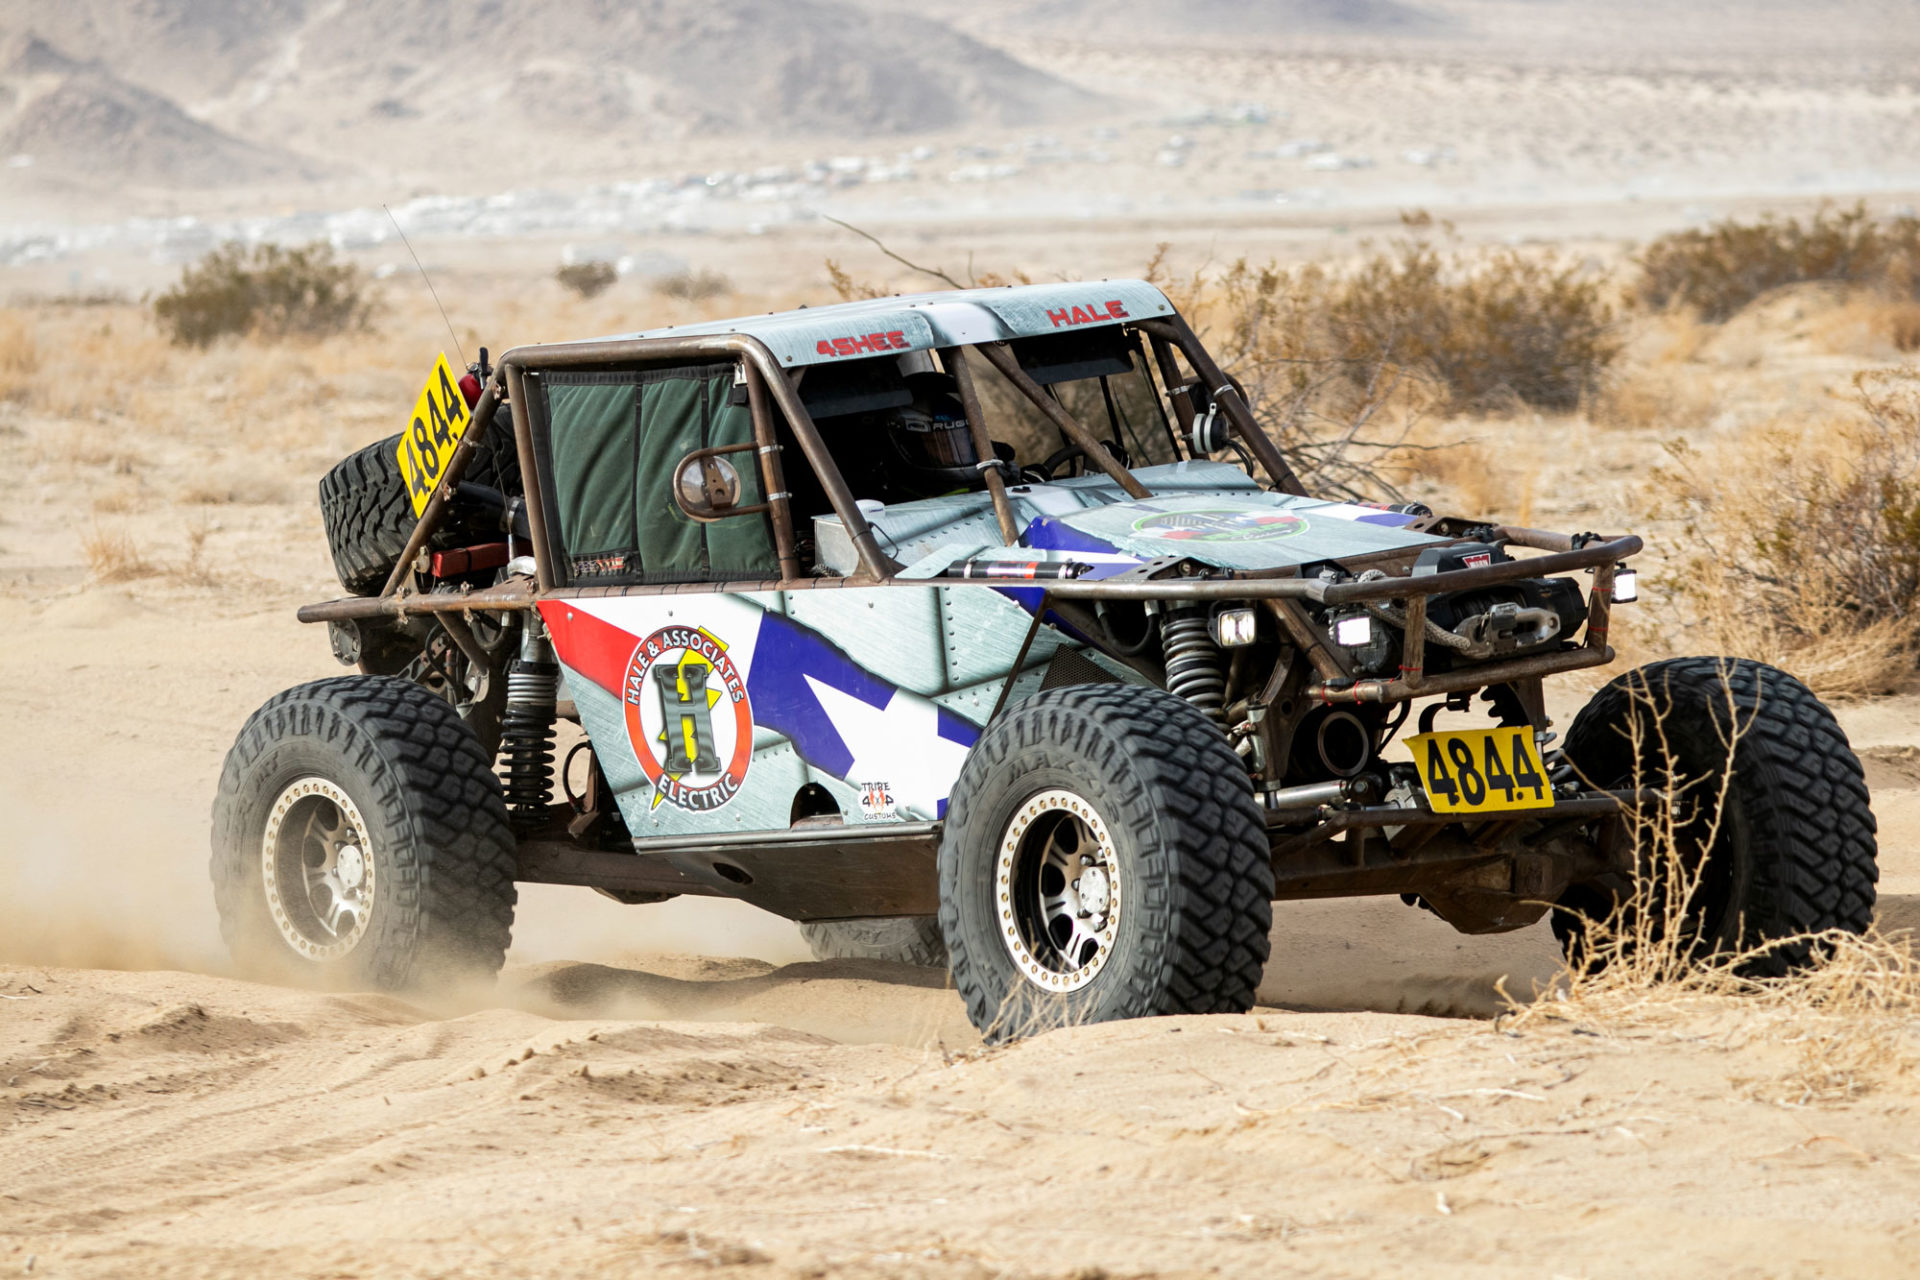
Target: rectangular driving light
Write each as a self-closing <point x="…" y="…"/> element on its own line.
<point x="1626" y="585"/>
<point x="1353" y="633"/>
<point x="1234" y="627"/>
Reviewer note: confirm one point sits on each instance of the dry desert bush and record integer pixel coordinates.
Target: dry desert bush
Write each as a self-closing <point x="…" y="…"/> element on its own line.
<point x="1848" y="1002"/>
<point x="266" y="291"/>
<point x="19" y="357"/>
<point x="587" y="279"/>
<point x="694" y="286"/>
<point x="1717" y="270"/>
<point x="1344" y="368"/>
<point x="112" y="555"/>
<point x="1802" y="545"/>
<point x="1481" y="327"/>
<point x="1488" y="327"/>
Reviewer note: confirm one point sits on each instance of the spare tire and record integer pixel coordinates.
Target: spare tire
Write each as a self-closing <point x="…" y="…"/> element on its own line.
<point x="364" y="507"/>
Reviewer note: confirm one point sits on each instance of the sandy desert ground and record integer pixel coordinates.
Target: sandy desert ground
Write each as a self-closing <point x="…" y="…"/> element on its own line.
<point x="672" y="1088"/>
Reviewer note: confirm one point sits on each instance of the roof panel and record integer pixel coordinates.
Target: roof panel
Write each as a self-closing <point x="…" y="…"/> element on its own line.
<point x="919" y="321"/>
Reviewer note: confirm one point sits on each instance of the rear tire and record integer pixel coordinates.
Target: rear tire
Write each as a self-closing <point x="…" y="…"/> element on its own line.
<point x="900" y="939"/>
<point x="360" y="839"/>
<point x="1103" y="858"/>
<point x="1794" y="851"/>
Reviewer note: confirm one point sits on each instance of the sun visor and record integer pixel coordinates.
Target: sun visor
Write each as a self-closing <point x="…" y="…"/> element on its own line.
<point x="859" y="386"/>
<point x="1069" y="357"/>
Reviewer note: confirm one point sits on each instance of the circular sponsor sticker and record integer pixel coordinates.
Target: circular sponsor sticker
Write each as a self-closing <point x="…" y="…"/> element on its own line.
<point x="688" y="718"/>
<point x="1223" y="525"/>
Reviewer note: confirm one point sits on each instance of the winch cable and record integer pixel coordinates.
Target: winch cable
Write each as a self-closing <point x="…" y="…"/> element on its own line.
<point x="1435" y="632"/>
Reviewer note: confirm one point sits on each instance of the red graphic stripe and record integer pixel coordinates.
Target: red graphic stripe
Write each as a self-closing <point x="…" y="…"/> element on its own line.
<point x="595" y="648"/>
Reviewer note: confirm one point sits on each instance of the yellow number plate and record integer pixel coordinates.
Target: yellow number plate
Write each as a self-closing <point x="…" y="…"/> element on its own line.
<point x="1481" y="770"/>
<point x="426" y="447"/>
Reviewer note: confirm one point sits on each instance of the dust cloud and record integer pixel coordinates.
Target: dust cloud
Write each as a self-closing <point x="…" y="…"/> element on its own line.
<point x="122" y="884"/>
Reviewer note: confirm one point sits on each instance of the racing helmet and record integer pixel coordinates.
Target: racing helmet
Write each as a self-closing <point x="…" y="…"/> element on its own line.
<point x="930" y="440"/>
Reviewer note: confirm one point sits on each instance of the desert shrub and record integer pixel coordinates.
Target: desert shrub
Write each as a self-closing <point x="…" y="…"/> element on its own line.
<point x="693" y="286"/>
<point x="1838" y="1026"/>
<point x="1803" y="547"/>
<point x="1903" y="326"/>
<point x="1508" y="325"/>
<point x="1719" y="269"/>
<point x="19" y="356"/>
<point x="587" y="279"/>
<point x="1341" y="367"/>
<point x="264" y="291"/>
<point x="112" y="555"/>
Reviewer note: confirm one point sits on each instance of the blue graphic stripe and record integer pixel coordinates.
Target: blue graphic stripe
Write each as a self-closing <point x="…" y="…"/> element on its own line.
<point x="1049" y="534"/>
<point x="954" y="728"/>
<point x="783" y="700"/>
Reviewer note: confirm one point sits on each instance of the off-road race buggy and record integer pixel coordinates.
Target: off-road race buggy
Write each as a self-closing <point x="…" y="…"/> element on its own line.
<point x="983" y="628"/>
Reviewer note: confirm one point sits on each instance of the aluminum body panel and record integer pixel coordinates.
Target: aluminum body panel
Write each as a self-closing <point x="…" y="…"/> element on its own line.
<point x="710" y="711"/>
<point x="924" y="321"/>
<point x="1237" y="531"/>
<point x="1206" y="511"/>
<point x="911" y="531"/>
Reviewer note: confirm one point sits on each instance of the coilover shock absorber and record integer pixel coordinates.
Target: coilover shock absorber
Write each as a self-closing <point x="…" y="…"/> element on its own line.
<point x="526" y="729"/>
<point x="1195" y="670"/>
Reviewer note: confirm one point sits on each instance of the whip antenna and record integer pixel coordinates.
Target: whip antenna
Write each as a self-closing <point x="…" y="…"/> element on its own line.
<point x="430" y="289"/>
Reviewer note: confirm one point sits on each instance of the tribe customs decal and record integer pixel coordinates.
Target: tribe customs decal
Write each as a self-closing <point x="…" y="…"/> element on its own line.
<point x="710" y="712"/>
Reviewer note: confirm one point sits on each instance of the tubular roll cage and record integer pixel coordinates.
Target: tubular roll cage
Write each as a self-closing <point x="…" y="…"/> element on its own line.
<point x="768" y="386"/>
<point x="1307" y="863"/>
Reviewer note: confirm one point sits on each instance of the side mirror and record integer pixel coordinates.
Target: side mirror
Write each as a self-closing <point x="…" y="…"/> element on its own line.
<point x="707" y="487"/>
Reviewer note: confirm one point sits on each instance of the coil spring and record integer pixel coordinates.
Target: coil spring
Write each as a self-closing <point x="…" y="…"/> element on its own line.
<point x="1194" y="668"/>
<point x="1554" y="758"/>
<point x="526" y="738"/>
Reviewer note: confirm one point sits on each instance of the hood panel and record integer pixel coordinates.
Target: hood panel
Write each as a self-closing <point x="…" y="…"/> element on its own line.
<point x="1245" y="530"/>
<point x="1207" y="511"/>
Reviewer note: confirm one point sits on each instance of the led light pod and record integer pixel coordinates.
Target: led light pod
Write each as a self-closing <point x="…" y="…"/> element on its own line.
<point x="1234" y="627"/>
<point x="1354" y="633"/>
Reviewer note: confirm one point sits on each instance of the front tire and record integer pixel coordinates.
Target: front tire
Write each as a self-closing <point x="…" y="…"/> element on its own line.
<point x="360" y="839"/>
<point x="1103" y="858"/>
<point x="1791" y="849"/>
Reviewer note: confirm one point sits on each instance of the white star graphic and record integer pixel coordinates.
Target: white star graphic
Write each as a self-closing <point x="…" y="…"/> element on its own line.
<point x="898" y="744"/>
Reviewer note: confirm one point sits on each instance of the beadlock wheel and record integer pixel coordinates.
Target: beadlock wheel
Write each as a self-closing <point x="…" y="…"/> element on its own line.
<point x="318" y="869"/>
<point x="360" y="839"/>
<point x="1058" y="891"/>
<point x="1103" y="857"/>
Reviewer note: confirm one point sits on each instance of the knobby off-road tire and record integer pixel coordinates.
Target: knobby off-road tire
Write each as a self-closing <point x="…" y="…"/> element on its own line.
<point x="1794" y="851"/>
<point x="360" y="839"/>
<point x="900" y="939"/>
<point x="368" y="517"/>
<point x="1103" y="858"/>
